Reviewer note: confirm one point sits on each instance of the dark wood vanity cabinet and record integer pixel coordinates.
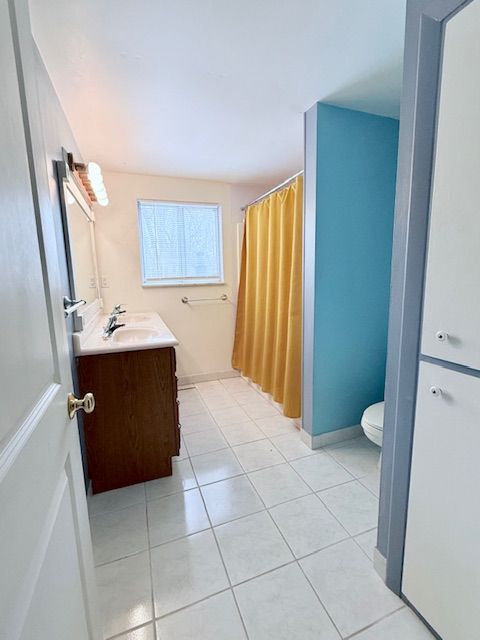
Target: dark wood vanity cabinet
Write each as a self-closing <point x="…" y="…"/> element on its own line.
<point x="134" y="431"/>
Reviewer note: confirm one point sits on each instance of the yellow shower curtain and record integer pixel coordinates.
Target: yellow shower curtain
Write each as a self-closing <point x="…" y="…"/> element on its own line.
<point x="268" y="332"/>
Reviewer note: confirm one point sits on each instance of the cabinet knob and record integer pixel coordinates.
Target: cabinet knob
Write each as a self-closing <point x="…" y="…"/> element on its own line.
<point x="436" y="391"/>
<point x="441" y="336"/>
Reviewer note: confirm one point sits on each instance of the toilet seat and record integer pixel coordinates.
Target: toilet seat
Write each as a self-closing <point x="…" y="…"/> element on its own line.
<point x="372" y="422"/>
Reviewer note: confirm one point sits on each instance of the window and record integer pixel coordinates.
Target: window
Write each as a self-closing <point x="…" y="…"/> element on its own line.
<point x="180" y="243"/>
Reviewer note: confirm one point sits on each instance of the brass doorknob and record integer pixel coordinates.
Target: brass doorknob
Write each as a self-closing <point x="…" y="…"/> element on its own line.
<point x="87" y="403"/>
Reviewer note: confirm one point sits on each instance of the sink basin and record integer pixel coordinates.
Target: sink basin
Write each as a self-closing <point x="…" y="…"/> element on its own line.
<point x="135" y="334"/>
<point x="134" y="318"/>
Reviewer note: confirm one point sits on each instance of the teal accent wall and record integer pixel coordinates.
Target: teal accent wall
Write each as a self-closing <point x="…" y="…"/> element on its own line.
<point x="355" y="196"/>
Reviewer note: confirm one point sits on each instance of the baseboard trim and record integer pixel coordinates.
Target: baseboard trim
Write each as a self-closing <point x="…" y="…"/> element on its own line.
<point x="306" y="438"/>
<point x="207" y="377"/>
<point x="332" y="437"/>
<point x="380" y="564"/>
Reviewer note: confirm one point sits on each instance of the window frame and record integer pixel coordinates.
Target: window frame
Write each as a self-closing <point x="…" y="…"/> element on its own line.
<point x="194" y="282"/>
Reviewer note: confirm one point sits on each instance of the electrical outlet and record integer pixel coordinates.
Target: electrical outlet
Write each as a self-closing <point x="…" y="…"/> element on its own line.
<point x="104" y="281"/>
<point x="92" y="283"/>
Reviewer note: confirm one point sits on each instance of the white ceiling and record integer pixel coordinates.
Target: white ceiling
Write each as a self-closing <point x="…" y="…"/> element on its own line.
<point x="214" y="89"/>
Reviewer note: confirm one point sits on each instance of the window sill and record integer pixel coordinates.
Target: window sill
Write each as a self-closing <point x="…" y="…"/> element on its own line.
<point x="165" y="285"/>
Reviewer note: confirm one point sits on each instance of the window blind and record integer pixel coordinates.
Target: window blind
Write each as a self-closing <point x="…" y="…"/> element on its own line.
<point x="180" y="243"/>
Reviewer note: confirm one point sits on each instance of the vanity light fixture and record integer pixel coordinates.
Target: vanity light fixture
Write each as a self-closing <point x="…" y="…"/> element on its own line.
<point x="91" y="179"/>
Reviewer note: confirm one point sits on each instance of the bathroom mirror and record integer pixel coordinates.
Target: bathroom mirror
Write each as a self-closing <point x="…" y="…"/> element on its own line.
<point x="79" y="234"/>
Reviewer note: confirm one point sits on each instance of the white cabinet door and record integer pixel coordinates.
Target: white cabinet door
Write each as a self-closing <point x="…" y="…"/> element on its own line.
<point x="441" y="575"/>
<point x="451" y="324"/>
<point x="46" y="567"/>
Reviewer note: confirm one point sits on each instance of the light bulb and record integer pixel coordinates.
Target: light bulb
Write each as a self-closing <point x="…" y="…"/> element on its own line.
<point x="101" y="193"/>
<point x="93" y="169"/>
<point x="96" y="182"/>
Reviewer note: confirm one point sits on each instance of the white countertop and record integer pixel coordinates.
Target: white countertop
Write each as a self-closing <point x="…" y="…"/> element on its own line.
<point x="142" y="330"/>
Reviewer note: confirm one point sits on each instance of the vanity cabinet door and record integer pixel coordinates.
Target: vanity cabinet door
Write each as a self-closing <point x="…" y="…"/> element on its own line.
<point x="133" y="433"/>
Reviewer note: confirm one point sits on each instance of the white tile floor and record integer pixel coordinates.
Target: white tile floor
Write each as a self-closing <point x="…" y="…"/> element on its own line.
<point x="254" y="536"/>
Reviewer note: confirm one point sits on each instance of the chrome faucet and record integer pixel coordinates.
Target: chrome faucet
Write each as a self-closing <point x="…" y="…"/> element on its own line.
<point x="112" y="323"/>
<point x="111" y="326"/>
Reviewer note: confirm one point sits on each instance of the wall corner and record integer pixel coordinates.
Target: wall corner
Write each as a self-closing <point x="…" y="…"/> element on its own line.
<point x="309" y="248"/>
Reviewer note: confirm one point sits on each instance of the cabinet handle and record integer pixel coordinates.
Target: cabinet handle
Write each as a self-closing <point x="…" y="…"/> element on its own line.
<point x="441" y="336"/>
<point x="436" y="391"/>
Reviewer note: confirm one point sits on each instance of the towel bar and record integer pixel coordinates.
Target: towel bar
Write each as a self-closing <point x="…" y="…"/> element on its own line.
<point x="186" y="300"/>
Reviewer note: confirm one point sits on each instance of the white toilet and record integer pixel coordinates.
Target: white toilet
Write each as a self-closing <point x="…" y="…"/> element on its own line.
<point x="372" y="422"/>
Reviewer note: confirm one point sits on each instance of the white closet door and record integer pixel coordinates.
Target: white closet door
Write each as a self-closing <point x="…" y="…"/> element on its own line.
<point x="441" y="575"/>
<point x="451" y="325"/>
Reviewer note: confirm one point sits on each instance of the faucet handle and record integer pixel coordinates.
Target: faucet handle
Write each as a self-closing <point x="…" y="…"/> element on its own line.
<point x="118" y="309"/>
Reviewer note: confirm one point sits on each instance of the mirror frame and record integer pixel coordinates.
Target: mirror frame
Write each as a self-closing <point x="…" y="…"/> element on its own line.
<point x="67" y="181"/>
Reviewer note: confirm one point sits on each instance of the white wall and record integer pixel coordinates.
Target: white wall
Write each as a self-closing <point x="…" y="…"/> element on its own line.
<point x="204" y="330"/>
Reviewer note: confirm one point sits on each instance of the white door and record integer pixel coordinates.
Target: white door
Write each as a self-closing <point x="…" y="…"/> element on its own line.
<point x="452" y="302"/>
<point x="441" y="574"/>
<point x="46" y="568"/>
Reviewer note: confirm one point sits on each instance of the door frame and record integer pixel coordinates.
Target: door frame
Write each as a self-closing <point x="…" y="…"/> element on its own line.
<point x="425" y="23"/>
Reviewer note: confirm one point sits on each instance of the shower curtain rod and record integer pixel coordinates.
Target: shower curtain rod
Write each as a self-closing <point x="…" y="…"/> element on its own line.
<point x="277" y="188"/>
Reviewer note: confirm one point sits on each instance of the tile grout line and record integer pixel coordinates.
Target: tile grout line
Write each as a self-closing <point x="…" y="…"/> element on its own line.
<point x="354" y="538"/>
<point x="235" y="519"/>
<point x="265" y="509"/>
<point x="250" y="385"/>
<point x="340" y="484"/>
<point x="306" y="483"/>
<point x="334" y="486"/>
<point x="212" y="527"/>
<point x="222" y="559"/>
<point x="210" y="412"/>
<point x="367" y="488"/>
<point x="172" y="613"/>
<point x="296" y="561"/>
<point x="132" y="630"/>
<point x="372" y="625"/>
<point x="191" y="604"/>
<point x="355" y="477"/>
<point x="349" y="537"/>
<point x="326" y="506"/>
<point x="312" y="492"/>
<point x="263" y="573"/>
<point x="250" y="419"/>
<point x="150" y="566"/>
<point x="242" y="582"/>
<point x="238" y="405"/>
<point x="247" y="474"/>
<point x="92" y="516"/>
<point x="319" y="599"/>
